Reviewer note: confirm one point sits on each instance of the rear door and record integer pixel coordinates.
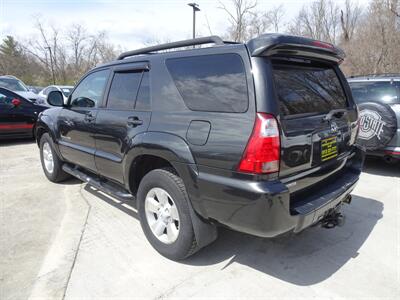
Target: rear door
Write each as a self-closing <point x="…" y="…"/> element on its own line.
<point x="125" y="114"/>
<point x="317" y="118"/>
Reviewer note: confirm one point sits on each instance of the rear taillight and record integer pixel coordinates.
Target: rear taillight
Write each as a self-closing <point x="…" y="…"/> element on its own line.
<point x="262" y="153"/>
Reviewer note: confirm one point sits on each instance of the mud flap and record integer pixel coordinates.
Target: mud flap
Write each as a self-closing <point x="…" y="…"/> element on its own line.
<point x="205" y="233"/>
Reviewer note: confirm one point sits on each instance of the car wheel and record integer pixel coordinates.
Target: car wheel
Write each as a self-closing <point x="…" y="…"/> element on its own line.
<point x="51" y="163"/>
<point x="164" y="214"/>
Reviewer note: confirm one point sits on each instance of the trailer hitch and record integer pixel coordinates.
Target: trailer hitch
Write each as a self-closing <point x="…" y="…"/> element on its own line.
<point x="332" y="220"/>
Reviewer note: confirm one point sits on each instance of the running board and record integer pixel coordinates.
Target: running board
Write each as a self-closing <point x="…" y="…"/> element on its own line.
<point x="97" y="183"/>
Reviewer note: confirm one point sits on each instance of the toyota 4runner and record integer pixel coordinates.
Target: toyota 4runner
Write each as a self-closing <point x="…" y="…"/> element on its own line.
<point x="258" y="137"/>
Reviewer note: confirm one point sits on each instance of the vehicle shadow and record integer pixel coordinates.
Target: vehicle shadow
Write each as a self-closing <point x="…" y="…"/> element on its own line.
<point x="126" y="206"/>
<point x="302" y="259"/>
<point x="15" y="142"/>
<point x="377" y="166"/>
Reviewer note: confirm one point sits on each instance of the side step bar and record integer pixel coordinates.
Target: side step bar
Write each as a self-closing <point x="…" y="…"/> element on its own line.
<point x="97" y="183"/>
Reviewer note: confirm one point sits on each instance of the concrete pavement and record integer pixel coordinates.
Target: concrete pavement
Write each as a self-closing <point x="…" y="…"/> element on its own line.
<point x="83" y="243"/>
<point x="358" y="260"/>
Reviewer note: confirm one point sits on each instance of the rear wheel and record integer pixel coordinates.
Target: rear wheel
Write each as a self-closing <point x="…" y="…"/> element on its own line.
<point x="164" y="214"/>
<point x="51" y="163"/>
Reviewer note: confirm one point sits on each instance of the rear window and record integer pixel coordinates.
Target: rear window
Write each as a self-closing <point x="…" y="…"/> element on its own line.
<point x="384" y="92"/>
<point x="13" y="85"/>
<point x="211" y="82"/>
<point x="307" y="90"/>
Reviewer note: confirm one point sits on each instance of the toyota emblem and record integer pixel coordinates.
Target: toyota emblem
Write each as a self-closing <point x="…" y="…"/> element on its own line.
<point x="334" y="127"/>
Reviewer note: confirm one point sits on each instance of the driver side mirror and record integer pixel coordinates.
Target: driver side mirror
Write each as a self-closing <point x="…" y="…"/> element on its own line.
<point x="55" y="98"/>
<point x="16" y="102"/>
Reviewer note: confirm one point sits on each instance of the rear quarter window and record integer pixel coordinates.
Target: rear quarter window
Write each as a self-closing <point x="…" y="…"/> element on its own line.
<point x="307" y="90"/>
<point x="211" y="82"/>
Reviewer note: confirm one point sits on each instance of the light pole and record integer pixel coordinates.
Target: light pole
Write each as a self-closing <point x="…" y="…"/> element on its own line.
<point x="195" y="8"/>
<point x="51" y="64"/>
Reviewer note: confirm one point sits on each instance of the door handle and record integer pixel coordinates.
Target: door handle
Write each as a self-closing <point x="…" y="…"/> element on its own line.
<point x="89" y="117"/>
<point x="134" y="121"/>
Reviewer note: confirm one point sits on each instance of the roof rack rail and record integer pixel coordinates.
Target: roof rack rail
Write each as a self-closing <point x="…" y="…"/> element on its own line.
<point x="191" y="42"/>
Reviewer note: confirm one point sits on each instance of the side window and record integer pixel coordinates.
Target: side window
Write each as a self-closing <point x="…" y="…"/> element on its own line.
<point x="123" y="90"/>
<point x="90" y="90"/>
<point x="211" y="82"/>
<point x="143" y="97"/>
<point x="4" y="99"/>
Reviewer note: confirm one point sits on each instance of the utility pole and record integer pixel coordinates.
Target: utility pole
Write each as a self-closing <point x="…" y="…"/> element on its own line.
<point x="196" y="8"/>
<point x="51" y="64"/>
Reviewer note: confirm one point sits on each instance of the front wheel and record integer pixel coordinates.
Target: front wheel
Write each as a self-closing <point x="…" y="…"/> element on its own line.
<point x="51" y="163"/>
<point x="164" y="214"/>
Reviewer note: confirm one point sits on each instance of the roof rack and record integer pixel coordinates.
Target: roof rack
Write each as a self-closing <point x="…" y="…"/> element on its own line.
<point x="185" y="43"/>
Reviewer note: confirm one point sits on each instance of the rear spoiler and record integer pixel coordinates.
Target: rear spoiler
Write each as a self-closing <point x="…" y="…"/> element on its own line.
<point x="289" y="45"/>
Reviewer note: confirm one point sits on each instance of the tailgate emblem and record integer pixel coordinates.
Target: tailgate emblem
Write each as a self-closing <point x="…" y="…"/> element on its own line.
<point x="334" y="127"/>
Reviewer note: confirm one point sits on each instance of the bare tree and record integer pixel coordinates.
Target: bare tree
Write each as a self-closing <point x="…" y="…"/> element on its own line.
<point x="374" y="47"/>
<point x="395" y="8"/>
<point x="320" y="21"/>
<point x="77" y="37"/>
<point x="349" y="18"/>
<point x="275" y="17"/>
<point x="262" y="22"/>
<point x="258" y="23"/>
<point x="73" y="51"/>
<point x="239" y="18"/>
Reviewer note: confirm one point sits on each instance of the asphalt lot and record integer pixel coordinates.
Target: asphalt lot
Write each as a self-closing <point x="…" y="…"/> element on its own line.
<point x="71" y="241"/>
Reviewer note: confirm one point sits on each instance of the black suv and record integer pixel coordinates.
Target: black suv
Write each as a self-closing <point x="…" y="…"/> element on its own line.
<point x="257" y="137"/>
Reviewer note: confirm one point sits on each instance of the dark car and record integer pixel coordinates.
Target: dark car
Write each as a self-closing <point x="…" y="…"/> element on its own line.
<point x="17" y="115"/>
<point x="257" y="137"/>
<point x="378" y="97"/>
<point x="12" y="83"/>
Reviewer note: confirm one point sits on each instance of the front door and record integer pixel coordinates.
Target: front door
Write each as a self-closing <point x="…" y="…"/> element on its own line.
<point x="77" y="121"/>
<point x="126" y="114"/>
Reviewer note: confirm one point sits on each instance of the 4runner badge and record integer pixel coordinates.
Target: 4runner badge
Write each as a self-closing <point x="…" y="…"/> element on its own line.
<point x="371" y="124"/>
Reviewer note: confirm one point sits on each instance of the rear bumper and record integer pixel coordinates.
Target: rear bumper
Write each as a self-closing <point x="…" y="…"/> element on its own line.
<point x="267" y="209"/>
<point x="387" y="151"/>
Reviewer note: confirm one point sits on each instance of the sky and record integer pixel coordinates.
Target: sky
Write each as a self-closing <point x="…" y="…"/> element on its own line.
<point x="129" y="24"/>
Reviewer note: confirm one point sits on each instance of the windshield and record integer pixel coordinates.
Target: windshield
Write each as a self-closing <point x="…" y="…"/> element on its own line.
<point x="13" y="85"/>
<point x="307" y="89"/>
<point x="380" y="91"/>
<point x="66" y="91"/>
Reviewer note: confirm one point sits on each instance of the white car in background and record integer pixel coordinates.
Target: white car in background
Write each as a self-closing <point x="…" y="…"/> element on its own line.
<point x="64" y="89"/>
<point x="15" y="85"/>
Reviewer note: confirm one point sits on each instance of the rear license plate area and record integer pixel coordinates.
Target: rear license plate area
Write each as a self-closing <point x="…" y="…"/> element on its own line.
<point x="329" y="148"/>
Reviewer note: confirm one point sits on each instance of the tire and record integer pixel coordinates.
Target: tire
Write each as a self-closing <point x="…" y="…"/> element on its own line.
<point x="47" y="153"/>
<point x="153" y="183"/>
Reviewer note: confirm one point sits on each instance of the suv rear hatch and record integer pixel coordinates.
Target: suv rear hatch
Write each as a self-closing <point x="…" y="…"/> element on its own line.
<point x="300" y="83"/>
